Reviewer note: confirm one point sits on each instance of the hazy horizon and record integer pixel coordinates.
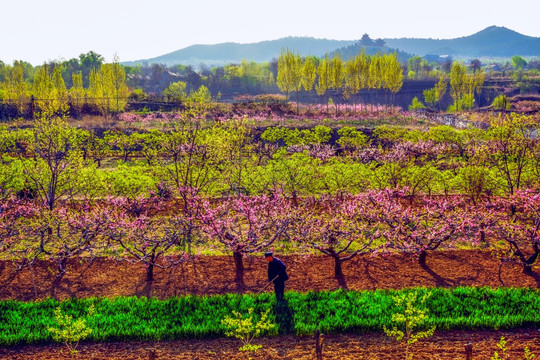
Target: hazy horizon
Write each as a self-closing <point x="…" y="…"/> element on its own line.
<point x="62" y="29"/>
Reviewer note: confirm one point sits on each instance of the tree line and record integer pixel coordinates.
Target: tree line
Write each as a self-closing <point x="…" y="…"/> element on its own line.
<point x="345" y="78"/>
<point x="87" y="84"/>
<point x="107" y="90"/>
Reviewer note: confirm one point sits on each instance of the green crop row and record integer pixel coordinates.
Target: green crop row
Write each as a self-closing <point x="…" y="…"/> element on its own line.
<point x="133" y="318"/>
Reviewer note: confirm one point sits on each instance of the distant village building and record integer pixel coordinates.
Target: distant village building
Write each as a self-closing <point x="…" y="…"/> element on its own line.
<point x="366" y="41"/>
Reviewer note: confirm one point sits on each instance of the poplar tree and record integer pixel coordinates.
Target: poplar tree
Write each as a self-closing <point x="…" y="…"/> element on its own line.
<point x="97" y="92"/>
<point x="294" y="62"/>
<point x="118" y="91"/>
<point x="107" y="89"/>
<point x="375" y="80"/>
<point x="337" y="75"/>
<point x="309" y="74"/>
<point x="289" y="76"/>
<point x="76" y="93"/>
<point x="15" y="89"/>
<point x="352" y="78"/>
<point x="363" y="65"/>
<point x="386" y="76"/>
<point x="44" y="91"/>
<point x="394" y="75"/>
<point x="60" y="87"/>
<point x="283" y="76"/>
<point x="323" y="80"/>
<point x="463" y="87"/>
<point x="458" y="83"/>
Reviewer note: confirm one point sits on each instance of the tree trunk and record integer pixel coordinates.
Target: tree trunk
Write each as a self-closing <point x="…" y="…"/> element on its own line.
<point x="42" y="240"/>
<point x="150" y="272"/>
<point x="318" y="344"/>
<point x="150" y="268"/>
<point x="513" y="208"/>
<point x="527" y="266"/>
<point x="527" y="269"/>
<point x="62" y="266"/>
<point x="422" y="257"/>
<point x="338" y="270"/>
<point x="239" y="264"/>
<point x="469" y="351"/>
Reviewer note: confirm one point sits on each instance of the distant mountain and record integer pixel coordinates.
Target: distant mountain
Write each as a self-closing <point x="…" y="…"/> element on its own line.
<point x="226" y="53"/>
<point x="493" y="41"/>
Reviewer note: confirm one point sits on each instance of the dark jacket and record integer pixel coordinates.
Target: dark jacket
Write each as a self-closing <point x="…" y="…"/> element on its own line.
<point x="277" y="267"/>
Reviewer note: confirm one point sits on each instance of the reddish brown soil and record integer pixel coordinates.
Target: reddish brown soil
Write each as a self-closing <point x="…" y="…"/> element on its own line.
<point x="215" y="275"/>
<point x="443" y="345"/>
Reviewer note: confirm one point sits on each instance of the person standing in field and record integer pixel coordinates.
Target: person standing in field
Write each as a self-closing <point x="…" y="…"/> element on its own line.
<point x="277" y="274"/>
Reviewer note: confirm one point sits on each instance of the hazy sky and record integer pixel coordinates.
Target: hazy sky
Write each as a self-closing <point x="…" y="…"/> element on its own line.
<point x="40" y="30"/>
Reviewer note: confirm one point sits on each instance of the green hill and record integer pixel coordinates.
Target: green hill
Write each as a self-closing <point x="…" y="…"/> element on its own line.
<point x="225" y="53"/>
<point x="493" y="41"/>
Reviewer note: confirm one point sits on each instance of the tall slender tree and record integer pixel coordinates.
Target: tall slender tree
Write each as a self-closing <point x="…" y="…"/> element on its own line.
<point x="337" y="75"/>
<point x="119" y="91"/>
<point x="309" y="74"/>
<point x="393" y="75"/>
<point x="352" y="77"/>
<point x="458" y="83"/>
<point x="60" y="87"/>
<point x="289" y="76"/>
<point x="77" y="93"/>
<point x="375" y="73"/>
<point x="15" y="89"/>
<point x="363" y="65"/>
<point x="44" y="91"/>
<point x="98" y="92"/>
<point x="323" y="80"/>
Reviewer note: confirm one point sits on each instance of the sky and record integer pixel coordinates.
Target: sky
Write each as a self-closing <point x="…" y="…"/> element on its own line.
<point x="39" y="31"/>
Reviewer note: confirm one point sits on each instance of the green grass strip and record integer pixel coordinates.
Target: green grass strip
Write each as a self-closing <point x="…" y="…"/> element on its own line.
<point x="189" y="317"/>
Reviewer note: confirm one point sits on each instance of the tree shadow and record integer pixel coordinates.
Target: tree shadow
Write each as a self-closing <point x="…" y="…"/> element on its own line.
<point x="368" y="275"/>
<point x="535" y="276"/>
<point x="439" y="280"/>
<point x="240" y="284"/>
<point x="87" y="267"/>
<point x="12" y="275"/>
<point x="284" y="317"/>
<point x="61" y="284"/>
<point x="146" y="289"/>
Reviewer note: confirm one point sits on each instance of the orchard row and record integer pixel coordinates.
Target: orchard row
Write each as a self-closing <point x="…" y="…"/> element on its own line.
<point x="54" y="161"/>
<point x="164" y="234"/>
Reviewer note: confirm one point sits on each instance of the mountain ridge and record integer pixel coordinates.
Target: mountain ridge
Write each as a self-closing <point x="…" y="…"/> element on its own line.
<point x="234" y="52"/>
<point x="493" y="41"/>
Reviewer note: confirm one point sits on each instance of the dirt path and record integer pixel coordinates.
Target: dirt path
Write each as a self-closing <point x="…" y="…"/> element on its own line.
<point x="443" y="345"/>
<point x="215" y="275"/>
